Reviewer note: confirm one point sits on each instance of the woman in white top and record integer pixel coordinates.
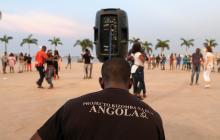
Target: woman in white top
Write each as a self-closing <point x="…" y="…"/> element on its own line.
<point x="11" y="62"/>
<point x="137" y="71"/>
<point x="208" y="65"/>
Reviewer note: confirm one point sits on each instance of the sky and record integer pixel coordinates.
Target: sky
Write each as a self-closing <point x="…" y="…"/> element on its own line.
<point x="71" y="20"/>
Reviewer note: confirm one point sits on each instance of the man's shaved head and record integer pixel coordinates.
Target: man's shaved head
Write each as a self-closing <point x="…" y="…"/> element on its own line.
<point x="116" y="70"/>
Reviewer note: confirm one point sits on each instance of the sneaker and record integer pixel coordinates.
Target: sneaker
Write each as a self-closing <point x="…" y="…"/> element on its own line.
<point x="207" y="86"/>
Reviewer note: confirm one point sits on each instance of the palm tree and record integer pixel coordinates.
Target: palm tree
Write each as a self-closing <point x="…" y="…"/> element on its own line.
<point x="55" y="41"/>
<point x="85" y="43"/>
<point x="5" y="39"/>
<point x="134" y="40"/>
<point x="29" y="40"/>
<point x="146" y="47"/>
<point x="210" y="42"/>
<point x="162" y="45"/>
<point x="187" y="43"/>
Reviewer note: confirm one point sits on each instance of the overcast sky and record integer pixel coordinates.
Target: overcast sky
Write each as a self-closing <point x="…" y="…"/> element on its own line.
<point x="71" y="20"/>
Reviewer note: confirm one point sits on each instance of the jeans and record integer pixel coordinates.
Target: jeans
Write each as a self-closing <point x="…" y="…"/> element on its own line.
<point x="49" y="74"/>
<point x="195" y="70"/>
<point x="41" y="71"/>
<point x="138" y="81"/>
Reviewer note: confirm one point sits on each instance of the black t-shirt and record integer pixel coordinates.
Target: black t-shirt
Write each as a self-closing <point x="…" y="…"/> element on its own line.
<point x="110" y="114"/>
<point x="87" y="57"/>
<point x="25" y="58"/>
<point x="29" y="59"/>
<point x="50" y="61"/>
<point x="196" y="57"/>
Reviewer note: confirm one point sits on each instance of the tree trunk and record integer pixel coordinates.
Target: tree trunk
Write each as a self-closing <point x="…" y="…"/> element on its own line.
<point x="6" y="48"/>
<point x="186" y="51"/>
<point x="162" y="49"/>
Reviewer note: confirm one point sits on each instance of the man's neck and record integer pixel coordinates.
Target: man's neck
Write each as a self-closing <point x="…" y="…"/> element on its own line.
<point x="119" y="86"/>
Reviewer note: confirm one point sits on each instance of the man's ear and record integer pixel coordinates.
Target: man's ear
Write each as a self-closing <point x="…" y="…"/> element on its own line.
<point x="130" y="83"/>
<point x="101" y="82"/>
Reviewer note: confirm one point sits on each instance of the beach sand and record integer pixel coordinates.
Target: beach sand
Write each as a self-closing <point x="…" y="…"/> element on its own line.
<point x="188" y="112"/>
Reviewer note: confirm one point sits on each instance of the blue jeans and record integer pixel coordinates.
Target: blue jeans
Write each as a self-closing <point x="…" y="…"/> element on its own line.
<point x="138" y="81"/>
<point x="195" y="70"/>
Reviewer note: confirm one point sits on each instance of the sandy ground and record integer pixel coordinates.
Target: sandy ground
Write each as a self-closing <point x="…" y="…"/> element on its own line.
<point x="188" y="112"/>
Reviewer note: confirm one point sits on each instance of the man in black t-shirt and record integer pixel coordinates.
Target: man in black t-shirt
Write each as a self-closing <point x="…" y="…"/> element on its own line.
<point x="87" y="63"/>
<point x="196" y="64"/>
<point x="110" y="114"/>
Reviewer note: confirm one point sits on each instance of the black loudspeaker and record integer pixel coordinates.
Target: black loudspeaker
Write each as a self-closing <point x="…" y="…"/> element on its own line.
<point x="111" y="34"/>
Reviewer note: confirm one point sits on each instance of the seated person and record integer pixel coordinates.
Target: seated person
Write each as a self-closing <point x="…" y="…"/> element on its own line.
<point x="110" y="114"/>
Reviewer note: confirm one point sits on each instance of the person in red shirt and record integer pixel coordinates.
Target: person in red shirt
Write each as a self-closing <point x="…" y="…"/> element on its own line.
<point x="40" y="58"/>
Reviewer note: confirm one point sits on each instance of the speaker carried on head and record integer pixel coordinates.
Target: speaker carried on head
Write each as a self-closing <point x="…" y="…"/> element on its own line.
<point x="111" y="34"/>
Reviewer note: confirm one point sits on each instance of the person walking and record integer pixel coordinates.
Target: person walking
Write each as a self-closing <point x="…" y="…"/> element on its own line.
<point x="110" y="114"/>
<point x="69" y="61"/>
<point x="196" y="59"/>
<point x="11" y="62"/>
<point x="4" y="62"/>
<point x="87" y="61"/>
<point x="137" y="71"/>
<point x="40" y="59"/>
<point x="208" y="65"/>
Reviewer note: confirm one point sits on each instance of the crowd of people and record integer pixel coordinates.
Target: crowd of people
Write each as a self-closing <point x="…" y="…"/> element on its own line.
<point x="195" y="62"/>
<point x="137" y="58"/>
<point x="24" y="62"/>
<point x="174" y="61"/>
<point x="115" y="79"/>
